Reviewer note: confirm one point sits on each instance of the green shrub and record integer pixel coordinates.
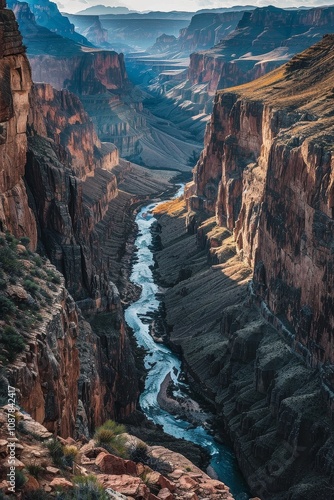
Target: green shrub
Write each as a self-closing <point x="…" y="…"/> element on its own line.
<point x="9" y="261"/>
<point x="108" y="436"/>
<point x="20" y="479"/>
<point x="38" y="261"/>
<point x="7" y="307"/>
<point x="39" y="494"/>
<point x="34" y="470"/>
<point x="85" y="488"/>
<point x="31" y="286"/>
<point x="25" y="240"/>
<point x="12" y="342"/>
<point x="56" y="451"/>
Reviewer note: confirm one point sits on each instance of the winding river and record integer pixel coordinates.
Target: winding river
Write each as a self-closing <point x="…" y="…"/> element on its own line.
<point x="161" y="361"/>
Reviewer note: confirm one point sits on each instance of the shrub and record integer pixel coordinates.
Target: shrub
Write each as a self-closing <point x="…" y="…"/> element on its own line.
<point x="85" y="488"/>
<point x="39" y="494"/>
<point x="38" y="261"/>
<point x="12" y="341"/>
<point x="138" y="453"/>
<point x="108" y="436"/>
<point x="6" y="306"/>
<point x="9" y="261"/>
<point x="56" y="451"/>
<point x="25" y="240"/>
<point x="70" y="452"/>
<point x="30" y="286"/>
<point x="20" y="479"/>
<point x="34" y="470"/>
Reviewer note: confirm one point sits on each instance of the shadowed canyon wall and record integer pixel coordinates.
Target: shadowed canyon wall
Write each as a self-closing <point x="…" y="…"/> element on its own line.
<point x="57" y="188"/>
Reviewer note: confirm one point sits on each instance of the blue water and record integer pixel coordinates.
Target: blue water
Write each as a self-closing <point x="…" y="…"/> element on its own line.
<point x="160" y="361"/>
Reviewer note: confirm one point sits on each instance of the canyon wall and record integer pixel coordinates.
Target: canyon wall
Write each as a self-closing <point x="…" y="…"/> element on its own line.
<point x="263" y="39"/>
<point x="15" y="82"/>
<point x="57" y="188"/>
<point x="266" y="173"/>
<point x="251" y="283"/>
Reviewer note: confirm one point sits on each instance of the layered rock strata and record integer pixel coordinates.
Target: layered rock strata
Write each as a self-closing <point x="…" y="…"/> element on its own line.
<point x="15" y="82"/>
<point x="263" y="40"/>
<point x="266" y="174"/>
<point x="268" y="402"/>
<point x="250" y="303"/>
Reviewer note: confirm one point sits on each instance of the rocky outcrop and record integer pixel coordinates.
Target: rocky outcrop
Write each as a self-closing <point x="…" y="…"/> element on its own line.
<point x="204" y="31"/>
<point x="47" y="14"/>
<point x="15" y="81"/>
<point x="157" y="473"/>
<point x="273" y="190"/>
<point x="91" y="28"/>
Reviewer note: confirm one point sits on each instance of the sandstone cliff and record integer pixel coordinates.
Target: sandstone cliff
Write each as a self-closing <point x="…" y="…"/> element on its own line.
<point x="15" y="83"/>
<point x="266" y="174"/>
<point x="250" y="300"/>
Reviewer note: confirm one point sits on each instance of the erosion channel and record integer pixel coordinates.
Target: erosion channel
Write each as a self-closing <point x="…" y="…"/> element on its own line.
<point x="161" y="362"/>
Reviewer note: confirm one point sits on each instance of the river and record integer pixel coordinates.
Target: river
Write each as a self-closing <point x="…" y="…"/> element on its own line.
<point x="161" y="361"/>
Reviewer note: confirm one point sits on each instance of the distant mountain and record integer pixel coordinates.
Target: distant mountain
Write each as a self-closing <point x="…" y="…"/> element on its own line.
<point x="100" y="10"/>
<point x="47" y="15"/>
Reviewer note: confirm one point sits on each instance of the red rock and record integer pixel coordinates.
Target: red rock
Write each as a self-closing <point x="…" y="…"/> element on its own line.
<point x="60" y="482"/>
<point x="166" y="483"/>
<point x="31" y="485"/>
<point x="165" y="494"/>
<point x="110" y="464"/>
<point x="187" y="483"/>
<point x="127" y="485"/>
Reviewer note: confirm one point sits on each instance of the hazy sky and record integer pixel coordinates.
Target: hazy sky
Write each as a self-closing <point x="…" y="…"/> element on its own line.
<point x="189" y="5"/>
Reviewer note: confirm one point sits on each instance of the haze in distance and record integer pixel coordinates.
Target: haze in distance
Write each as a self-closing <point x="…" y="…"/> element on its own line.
<point x="73" y="6"/>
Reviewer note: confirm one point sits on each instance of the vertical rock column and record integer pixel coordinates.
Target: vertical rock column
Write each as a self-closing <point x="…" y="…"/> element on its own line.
<point x="15" y="84"/>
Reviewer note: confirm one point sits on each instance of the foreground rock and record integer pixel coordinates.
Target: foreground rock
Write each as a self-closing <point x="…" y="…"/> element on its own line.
<point x="173" y="476"/>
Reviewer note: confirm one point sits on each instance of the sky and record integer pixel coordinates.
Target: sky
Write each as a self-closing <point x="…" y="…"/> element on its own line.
<point x="73" y="6"/>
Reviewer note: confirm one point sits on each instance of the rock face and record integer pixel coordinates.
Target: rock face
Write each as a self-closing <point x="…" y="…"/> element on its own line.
<point x="15" y="81"/>
<point x="273" y="189"/>
<point x="91" y="28"/>
<point x="80" y="220"/>
<point x="263" y="40"/>
<point x="204" y="31"/>
<point x="256" y="262"/>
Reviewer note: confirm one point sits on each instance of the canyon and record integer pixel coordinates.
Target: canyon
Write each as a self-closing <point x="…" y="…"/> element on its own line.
<point x="247" y="260"/>
<point x="243" y="261"/>
<point x="260" y="41"/>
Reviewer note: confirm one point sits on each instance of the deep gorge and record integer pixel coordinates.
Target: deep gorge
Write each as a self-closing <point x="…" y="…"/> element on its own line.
<point x="243" y="260"/>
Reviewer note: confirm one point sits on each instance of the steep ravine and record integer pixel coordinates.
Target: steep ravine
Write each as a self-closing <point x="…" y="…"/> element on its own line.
<point x="161" y="364"/>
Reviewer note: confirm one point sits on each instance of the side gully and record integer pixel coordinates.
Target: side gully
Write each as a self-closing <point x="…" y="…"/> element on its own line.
<point x="163" y="365"/>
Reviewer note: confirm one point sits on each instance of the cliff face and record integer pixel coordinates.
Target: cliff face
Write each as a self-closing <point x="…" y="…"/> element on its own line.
<point x="15" y="82"/>
<point x="263" y="40"/>
<point x="266" y="173"/>
<point x="67" y="174"/>
<point x="47" y="14"/>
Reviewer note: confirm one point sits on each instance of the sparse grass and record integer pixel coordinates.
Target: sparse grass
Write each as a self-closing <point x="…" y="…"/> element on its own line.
<point x="34" y="470"/>
<point x="109" y="436"/>
<point x="85" y="488"/>
<point x="20" y="480"/>
<point x="70" y="452"/>
<point x="56" y="452"/>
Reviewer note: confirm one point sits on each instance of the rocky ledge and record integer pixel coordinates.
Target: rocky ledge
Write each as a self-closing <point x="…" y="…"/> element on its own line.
<point x="152" y="473"/>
